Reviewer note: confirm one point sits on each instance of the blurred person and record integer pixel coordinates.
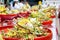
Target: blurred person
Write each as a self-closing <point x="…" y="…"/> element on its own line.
<point x="59" y="20"/>
<point x="59" y="15"/>
<point x="33" y="2"/>
<point x="21" y="4"/>
<point x="5" y="1"/>
<point x="59" y="12"/>
<point x="16" y="4"/>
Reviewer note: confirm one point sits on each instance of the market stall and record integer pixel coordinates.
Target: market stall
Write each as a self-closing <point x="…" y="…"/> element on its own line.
<point x="28" y="23"/>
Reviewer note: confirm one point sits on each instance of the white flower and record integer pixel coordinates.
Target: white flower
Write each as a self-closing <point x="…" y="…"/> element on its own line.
<point x="41" y="27"/>
<point x="33" y="20"/>
<point x="29" y="25"/>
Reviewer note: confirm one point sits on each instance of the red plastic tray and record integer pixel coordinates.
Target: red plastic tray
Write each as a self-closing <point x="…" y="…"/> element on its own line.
<point x="8" y="17"/>
<point x="48" y="37"/>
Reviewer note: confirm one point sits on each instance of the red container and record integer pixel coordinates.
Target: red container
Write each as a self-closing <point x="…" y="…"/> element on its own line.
<point x="24" y="14"/>
<point x="49" y="22"/>
<point x="11" y="38"/>
<point x="6" y="24"/>
<point x="5" y="27"/>
<point x="9" y="16"/>
<point x="53" y="16"/>
<point x="47" y="37"/>
<point x="0" y="19"/>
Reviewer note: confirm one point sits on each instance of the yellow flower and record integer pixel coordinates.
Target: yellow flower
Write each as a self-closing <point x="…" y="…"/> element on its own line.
<point x="1" y="38"/>
<point x="23" y="21"/>
<point x="3" y="13"/>
<point x="39" y="2"/>
<point x="48" y="14"/>
<point x="2" y="8"/>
